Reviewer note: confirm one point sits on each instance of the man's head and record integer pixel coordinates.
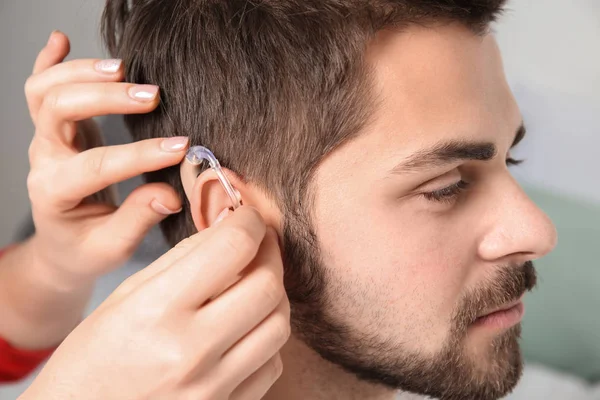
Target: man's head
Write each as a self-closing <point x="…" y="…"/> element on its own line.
<point x="375" y="136"/>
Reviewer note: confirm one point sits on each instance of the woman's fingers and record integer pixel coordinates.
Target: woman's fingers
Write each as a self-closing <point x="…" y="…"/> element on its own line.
<point x="95" y="169"/>
<point x="197" y="245"/>
<point x="83" y="174"/>
<point x="76" y="71"/>
<point x="244" y="305"/>
<point x="145" y="207"/>
<point x="259" y="383"/>
<point x="69" y="103"/>
<point x="220" y="256"/>
<point x="55" y="51"/>
<point x="256" y="348"/>
<point x="173" y="256"/>
<point x="187" y="247"/>
<point x="247" y="370"/>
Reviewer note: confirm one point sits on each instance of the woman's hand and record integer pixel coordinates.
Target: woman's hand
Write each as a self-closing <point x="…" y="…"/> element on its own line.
<point x="78" y="239"/>
<point x="169" y="332"/>
<point x="46" y="282"/>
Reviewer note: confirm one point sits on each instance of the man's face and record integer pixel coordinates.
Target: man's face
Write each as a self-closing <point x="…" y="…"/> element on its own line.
<point x="421" y="227"/>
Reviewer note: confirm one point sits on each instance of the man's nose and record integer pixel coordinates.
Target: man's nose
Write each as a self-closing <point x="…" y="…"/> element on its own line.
<point x="520" y="230"/>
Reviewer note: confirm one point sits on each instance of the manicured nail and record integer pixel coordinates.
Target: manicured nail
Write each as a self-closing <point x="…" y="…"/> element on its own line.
<point x="222" y="215"/>
<point x="144" y="93"/>
<point x="108" y="66"/>
<point x="159" y="208"/>
<point x="174" y="144"/>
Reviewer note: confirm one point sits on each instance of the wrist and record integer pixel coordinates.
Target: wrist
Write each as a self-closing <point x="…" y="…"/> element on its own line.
<point x="38" y="305"/>
<point x="50" y="274"/>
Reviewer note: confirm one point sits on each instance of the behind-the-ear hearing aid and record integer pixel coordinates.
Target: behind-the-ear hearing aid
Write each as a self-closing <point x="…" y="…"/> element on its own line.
<point x="196" y="154"/>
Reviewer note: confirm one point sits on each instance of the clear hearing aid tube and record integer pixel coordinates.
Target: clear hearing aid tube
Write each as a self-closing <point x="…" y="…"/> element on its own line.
<point x="196" y="154"/>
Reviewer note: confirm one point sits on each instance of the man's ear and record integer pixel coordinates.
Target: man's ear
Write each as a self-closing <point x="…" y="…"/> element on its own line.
<point x="207" y="196"/>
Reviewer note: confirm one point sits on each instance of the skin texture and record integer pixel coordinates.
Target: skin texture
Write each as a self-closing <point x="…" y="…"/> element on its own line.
<point x="402" y="277"/>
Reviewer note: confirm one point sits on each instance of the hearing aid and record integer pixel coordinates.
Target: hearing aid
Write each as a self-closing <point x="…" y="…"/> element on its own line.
<point x="196" y="155"/>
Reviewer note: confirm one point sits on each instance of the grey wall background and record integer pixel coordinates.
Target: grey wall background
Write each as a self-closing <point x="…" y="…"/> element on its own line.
<point x="552" y="57"/>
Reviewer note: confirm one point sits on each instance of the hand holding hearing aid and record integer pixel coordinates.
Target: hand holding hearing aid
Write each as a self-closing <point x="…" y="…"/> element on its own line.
<point x="159" y="336"/>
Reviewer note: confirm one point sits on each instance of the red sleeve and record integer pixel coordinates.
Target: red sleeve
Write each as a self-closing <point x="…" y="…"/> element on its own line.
<point x="16" y="363"/>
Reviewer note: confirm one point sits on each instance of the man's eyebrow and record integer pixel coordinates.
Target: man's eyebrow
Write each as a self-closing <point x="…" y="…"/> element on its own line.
<point x="449" y="152"/>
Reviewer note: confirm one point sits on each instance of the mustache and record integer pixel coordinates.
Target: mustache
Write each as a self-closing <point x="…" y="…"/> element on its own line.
<point x="510" y="284"/>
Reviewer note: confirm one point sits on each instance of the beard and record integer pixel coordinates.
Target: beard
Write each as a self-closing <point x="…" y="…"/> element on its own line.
<point x="451" y="374"/>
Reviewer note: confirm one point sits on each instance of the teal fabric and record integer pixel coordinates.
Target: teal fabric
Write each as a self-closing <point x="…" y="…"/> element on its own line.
<point x="561" y="327"/>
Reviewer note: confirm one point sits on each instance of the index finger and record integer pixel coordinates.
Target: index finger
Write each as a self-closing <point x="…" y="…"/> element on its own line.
<point x="232" y="245"/>
<point x="95" y="169"/>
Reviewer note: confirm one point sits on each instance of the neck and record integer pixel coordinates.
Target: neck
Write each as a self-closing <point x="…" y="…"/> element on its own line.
<point x="307" y="376"/>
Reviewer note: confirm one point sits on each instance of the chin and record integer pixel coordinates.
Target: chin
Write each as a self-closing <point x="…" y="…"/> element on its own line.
<point x="497" y="362"/>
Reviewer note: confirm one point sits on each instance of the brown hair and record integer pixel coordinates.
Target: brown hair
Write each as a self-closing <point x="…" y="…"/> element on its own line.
<point x="271" y="86"/>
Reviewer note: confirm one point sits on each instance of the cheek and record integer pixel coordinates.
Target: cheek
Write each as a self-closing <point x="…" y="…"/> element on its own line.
<point x="406" y="269"/>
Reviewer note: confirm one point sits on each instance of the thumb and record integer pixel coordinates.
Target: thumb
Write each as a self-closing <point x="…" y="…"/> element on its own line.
<point x="145" y="207"/>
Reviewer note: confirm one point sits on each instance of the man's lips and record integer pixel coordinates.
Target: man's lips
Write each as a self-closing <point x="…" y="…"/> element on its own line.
<point x="501" y="318"/>
<point x="503" y="307"/>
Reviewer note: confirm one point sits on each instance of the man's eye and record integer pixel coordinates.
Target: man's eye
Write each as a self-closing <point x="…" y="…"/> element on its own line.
<point x="512" y="161"/>
<point x="447" y="194"/>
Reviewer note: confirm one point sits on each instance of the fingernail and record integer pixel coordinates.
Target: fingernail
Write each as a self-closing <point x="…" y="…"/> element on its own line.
<point x="174" y="144"/>
<point x="222" y="215"/>
<point x="144" y="93"/>
<point x="159" y="208"/>
<point x="108" y="66"/>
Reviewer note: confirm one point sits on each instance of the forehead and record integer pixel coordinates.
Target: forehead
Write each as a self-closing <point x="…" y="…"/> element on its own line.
<point x="431" y="85"/>
<point x="439" y="83"/>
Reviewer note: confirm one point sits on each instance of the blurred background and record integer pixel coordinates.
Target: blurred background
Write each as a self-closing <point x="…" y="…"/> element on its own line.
<point x="551" y="51"/>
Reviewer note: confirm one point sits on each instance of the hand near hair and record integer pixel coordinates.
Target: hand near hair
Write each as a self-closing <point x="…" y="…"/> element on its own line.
<point x="77" y="236"/>
<point x="171" y="332"/>
<point x="46" y="282"/>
